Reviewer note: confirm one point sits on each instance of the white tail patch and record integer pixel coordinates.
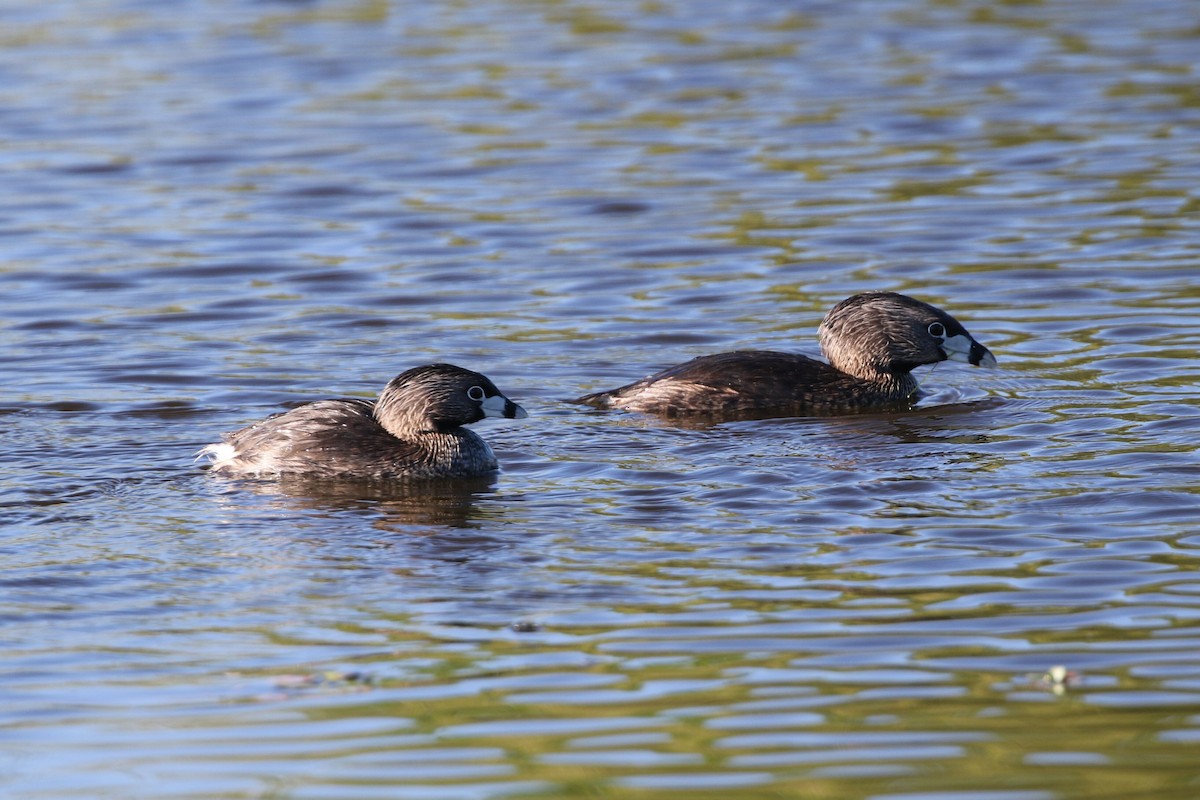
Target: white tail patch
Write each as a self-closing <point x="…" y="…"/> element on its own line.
<point x="218" y="454"/>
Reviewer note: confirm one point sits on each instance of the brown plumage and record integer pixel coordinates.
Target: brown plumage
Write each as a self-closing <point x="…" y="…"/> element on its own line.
<point x="873" y="342"/>
<point x="412" y="431"/>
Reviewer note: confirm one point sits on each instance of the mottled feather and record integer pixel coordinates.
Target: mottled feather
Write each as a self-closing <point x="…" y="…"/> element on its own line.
<point x="873" y="342"/>
<point x="413" y="431"/>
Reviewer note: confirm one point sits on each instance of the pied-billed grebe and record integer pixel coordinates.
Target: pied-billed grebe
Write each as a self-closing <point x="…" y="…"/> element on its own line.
<point x="873" y="341"/>
<point x="414" y="430"/>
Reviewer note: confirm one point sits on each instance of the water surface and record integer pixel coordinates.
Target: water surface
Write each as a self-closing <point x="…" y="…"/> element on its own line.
<point x="213" y="211"/>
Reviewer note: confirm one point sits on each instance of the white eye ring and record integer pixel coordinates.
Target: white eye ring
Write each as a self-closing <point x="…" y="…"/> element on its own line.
<point x="476" y="393"/>
<point x="937" y="329"/>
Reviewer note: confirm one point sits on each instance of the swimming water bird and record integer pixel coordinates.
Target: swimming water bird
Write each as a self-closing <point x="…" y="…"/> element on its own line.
<point x="873" y="342"/>
<point x="412" y="431"/>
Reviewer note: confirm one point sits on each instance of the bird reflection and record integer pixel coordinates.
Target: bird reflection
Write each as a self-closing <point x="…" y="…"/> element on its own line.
<point x="439" y="504"/>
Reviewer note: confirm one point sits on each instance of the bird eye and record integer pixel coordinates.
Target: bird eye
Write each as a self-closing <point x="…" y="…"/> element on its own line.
<point x="937" y="329"/>
<point x="476" y="393"/>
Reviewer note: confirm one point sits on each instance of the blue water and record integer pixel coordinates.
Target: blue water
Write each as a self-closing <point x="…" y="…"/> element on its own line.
<point x="213" y="211"/>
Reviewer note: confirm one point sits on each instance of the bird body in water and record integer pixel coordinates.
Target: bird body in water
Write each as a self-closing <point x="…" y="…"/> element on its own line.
<point x="873" y="342"/>
<point x="414" y="430"/>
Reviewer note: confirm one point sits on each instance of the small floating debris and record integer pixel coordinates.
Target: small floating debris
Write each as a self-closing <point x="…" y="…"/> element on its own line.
<point x="329" y="677"/>
<point x="1058" y="679"/>
<point x="525" y="626"/>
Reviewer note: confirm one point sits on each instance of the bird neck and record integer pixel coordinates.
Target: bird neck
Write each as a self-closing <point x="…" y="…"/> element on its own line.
<point x="883" y="378"/>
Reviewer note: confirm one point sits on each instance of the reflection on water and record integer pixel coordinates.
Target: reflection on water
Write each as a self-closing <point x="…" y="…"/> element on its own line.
<point x="217" y="210"/>
<point x="430" y="504"/>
